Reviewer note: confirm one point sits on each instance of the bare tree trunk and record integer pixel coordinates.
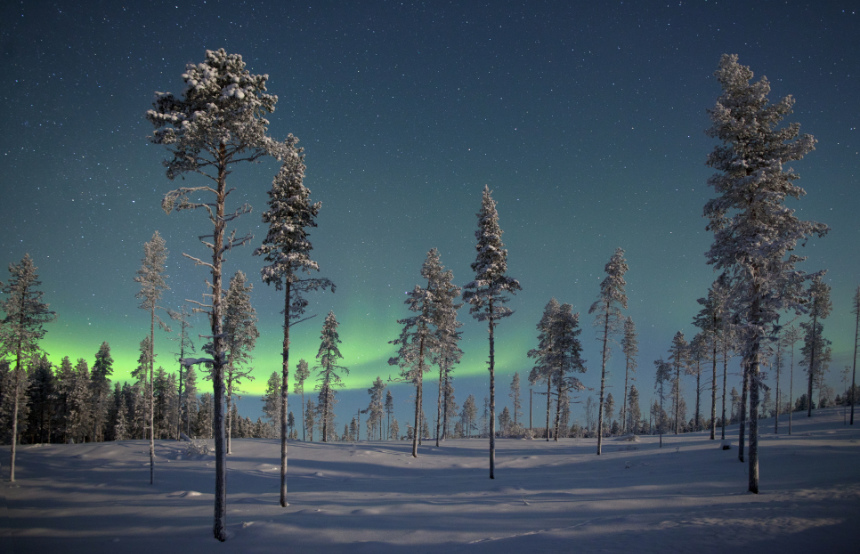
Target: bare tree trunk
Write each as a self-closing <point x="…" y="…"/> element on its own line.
<point x="811" y="368"/>
<point x="492" y="397"/>
<point x="753" y="438"/>
<point x="778" y="367"/>
<point x="151" y="395"/>
<point x="854" y="372"/>
<point x="15" y="402"/>
<point x="439" y="406"/>
<point x="229" y="413"/>
<point x="285" y="386"/>
<point x="416" y="431"/>
<point x="557" y="427"/>
<point x="698" y="394"/>
<point x="714" y="392"/>
<point x="725" y="377"/>
<point x="548" y="404"/>
<point x="602" y="381"/>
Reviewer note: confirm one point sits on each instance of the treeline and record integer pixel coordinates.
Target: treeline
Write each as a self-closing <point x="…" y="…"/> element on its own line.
<point x="76" y="403"/>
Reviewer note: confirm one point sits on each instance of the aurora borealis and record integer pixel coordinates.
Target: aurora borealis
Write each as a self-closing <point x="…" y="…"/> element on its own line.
<point x="585" y="119"/>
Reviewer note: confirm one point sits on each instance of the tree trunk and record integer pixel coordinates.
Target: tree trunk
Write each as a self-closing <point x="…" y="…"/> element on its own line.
<point x="416" y="431"/>
<point x="778" y="364"/>
<point x="854" y="372"/>
<point x="698" y="392"/>
<point x="220" y="525"/>
<point x="714" y="391"/>
<point x="439" y="407"/>
<point x="548" y="404"/>
<point x="725" y="374"/>
<point x="624" y="400"/>
<point x="229" y="413"/>
<point x="151" y="395"/>
<point x="742" y="411"/>
<point x="811" y="368"/>
<point x="15" y="402"/>
<point x="753" y="438"/>
<point x="557" y="426"/>
<point x="492" y="396"/>
<point x="602" y="381"/>
<point x="285" y="384"/>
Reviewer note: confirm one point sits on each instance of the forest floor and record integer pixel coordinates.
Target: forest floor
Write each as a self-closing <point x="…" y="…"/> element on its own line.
<point x="369" y="497"/>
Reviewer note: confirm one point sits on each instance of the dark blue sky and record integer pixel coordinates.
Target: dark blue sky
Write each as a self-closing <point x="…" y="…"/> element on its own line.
<point x="586" y="119"/>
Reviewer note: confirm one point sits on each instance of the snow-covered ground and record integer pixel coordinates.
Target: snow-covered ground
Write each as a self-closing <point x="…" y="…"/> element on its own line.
<point x="689" y="496"/>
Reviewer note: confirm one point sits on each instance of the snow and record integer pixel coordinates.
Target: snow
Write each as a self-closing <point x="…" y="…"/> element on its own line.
<point x="374" y="497"/>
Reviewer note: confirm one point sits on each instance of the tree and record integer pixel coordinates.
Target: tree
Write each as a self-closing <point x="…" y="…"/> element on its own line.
<point x="489" y="292"/>
<point x="711" y="320"/>
<point x="80" y="415"/>
<point x="389" y="409"/>
<point x="698" y="353"/>
<point x="505" y="422"/>
<point x="190" y="403"/>
<point x="855" y="309"/>
<point x="566" y="358"/>
<point x="468" y="415"/>
<point x="417" y="339"/>
<point x="287" y="249"/>
<point x="328" y="378"/>
<point x="100" y="383"/>
<point x="272" y="400"/>
<point x="633" y="414"/>
<point x="663" y="376"/>
<point x="630" y="347"/>
<point x="310" y="412"/>
<point x="755" y="235"/>
<point x="22" y="328"/>
<point x="218" y="122"/>
<point x="790" y="337"/>
<point x="443" y="312"/>
<point x="515" y="397"/>
<point x="607" y="310"/>
<point x="153" y="283"/>
<point x="816" y="349"/>
<point x="375" y="409"/>
<point x="185" y="346"/>
<point x="240" y="337"/>
<point x="543" y="370"/>
<point x="302" y="373"/>
<point x="42" y="396"/>
<point x="679" y="358"/>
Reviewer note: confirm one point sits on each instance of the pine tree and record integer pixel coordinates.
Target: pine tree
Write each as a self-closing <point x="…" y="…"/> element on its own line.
<point x="287" y="249"/>
<point x="417" y="340"/>
<point x="272" y="401"/>
<point x="41" y="399"/>
<point x="679" y="358"/>
<point x="302" y="373"/>
<point x="566" y="359"/>
<point x="607" y="310"/>
<point x="663" y="376"/>
<point x="328" y="378"/>
<point x="20" y="331"/>
<point x="469" y="414"/>
<point x="489" y="293"/>
<point x="698" y="353"/>
<point x="240" y="337"/>
<point x="633" y="414"/>
<point x="100" y="382"/>
<point x="64" y="384"/>
<point x="218" y="122"/>
<point x="186" y="346"/>
<point x="543" y="369"/>
<point x="389" y="409"/>
<point x="310" y="412"/>
<point x="80" y="416"/>
<point x="190" y="403"/>
<point x="816" y="349"/>
<point x="153" y="283"/>
<point x="443" y="313"/>
<point x="375" y="409"/>
<point x="754" y="233"/>
<point x="515" y="398"/>
<point x="395" y="430"/>
<point x="711" y="320"/>
<point x="630" y="347"/>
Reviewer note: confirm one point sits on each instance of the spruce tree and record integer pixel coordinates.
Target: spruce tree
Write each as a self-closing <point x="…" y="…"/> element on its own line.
<point x="302" y="373"/>
<point x="816" y="349"/>
<point x="240" y="336"/>
<point x="489" y="293"/>
<point x="328" y="378"/>
<point x="608" y="318"/>
<point x="24" y="314"/>
<point x="100" y="382"/>
<point x="755" y="234"/>
<point x="544" y="368"/>
<point x="679" y="357"/>
<point x="630" y="347"/>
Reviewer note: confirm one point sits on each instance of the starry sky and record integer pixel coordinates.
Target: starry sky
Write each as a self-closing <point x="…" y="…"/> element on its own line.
<point x="585" y="119"/>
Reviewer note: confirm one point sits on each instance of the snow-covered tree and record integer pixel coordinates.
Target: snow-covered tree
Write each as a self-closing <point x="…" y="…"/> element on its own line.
<point x="79" y="420"/>
<point x="42" y="397"/>
<point x="755" y="234"/>
<point x="698" y="353"/>
<point x="153" y="283"/>
<point x="663" y="375"/>
<point x="186" y="346"/>
<point x="816" y="349"/>
<point x="543" y="369"/>
<point x="218" y="121"/>
<point x="302" y="373"/>
<point x="608" y="319"/>
<point x="630" y="347"/>
<point x="516" y="402"/>
<point x="417" y="340"/>
<point x="711" y="319"/>
<point x="469" y="415"/>
<point x="679" y="357"/>
<point x="310" y="415"/>
<point x="489" y="292"/>
<point x="443" y="312"/>
<point x="272" y="400"/>
<point x="790" y="337"/>
<point x="633" y="414"/>
<point x="240" y="337"/>
<point x="100" y="386"/>
<point x="190" y="403"/>
<point x="375" y="409"/>
<point x="287" y="250"/>
<point x="389" y="409"/>
<point x="24" y="315"/>
<point x="328" y="378"/>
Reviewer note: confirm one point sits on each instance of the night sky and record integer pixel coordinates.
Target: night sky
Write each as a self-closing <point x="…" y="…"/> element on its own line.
<point x="585" y="119"/>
